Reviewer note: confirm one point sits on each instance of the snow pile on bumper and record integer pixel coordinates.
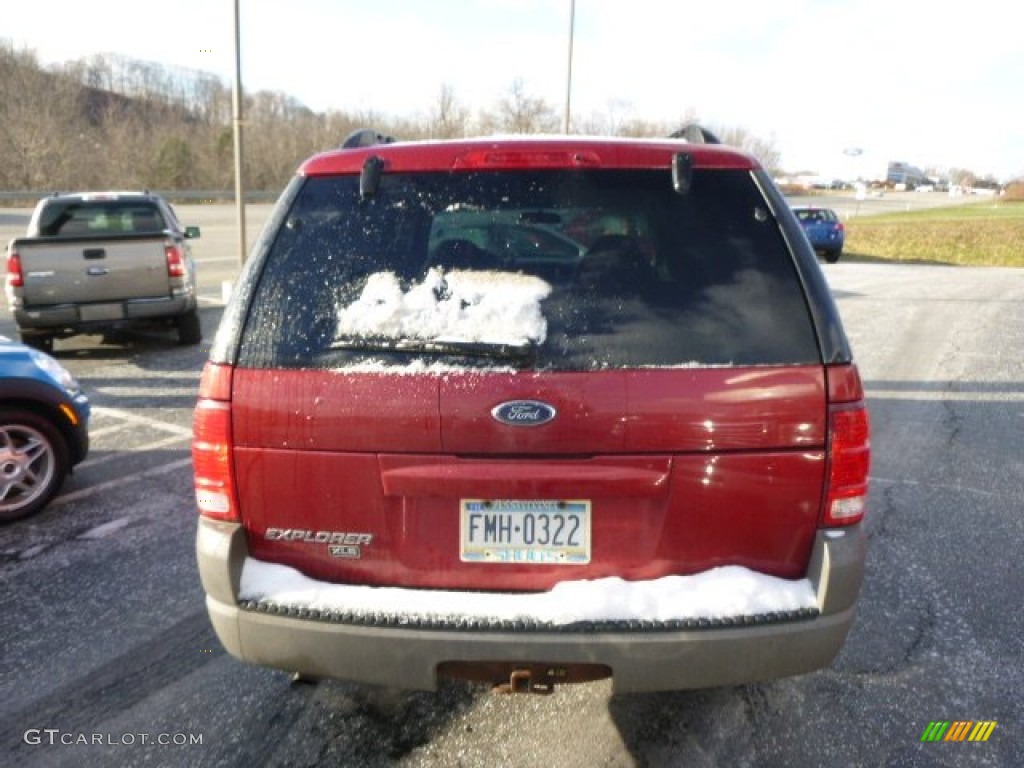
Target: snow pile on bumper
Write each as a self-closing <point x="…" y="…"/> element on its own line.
<point x="716" y="596"/>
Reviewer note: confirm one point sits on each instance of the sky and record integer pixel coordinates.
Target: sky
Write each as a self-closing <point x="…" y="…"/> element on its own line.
<point x="932" y="84"/>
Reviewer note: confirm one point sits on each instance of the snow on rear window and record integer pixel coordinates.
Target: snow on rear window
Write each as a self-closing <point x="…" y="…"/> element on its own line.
<point x="419" y="367"/>
<point x="463" y="305"/>
<point x="728" y="591"/>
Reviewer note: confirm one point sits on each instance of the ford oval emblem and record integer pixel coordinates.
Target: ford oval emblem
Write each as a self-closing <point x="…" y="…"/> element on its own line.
<point x="523" y="413"/>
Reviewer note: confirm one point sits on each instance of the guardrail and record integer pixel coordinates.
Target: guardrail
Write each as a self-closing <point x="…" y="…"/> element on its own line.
<point x="191" y="196"/>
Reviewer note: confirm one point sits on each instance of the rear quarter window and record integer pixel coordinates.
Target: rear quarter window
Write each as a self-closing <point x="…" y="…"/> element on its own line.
<point x="600" y="270"/>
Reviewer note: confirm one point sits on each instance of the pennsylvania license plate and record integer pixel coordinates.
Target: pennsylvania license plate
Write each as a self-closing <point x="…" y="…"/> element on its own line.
<point x="540" y="532"/>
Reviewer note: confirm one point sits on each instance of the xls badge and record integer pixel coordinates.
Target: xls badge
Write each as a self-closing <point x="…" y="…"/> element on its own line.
<point x="339" y="543"/>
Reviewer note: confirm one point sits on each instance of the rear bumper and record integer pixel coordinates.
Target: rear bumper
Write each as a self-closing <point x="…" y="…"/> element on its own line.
<point x="827" y="241"/>
<point x="83" y="316"/>
<point x="665" y="659"/>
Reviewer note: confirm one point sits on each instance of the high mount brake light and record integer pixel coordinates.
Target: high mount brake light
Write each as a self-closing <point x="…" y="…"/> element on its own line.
<point x="527" y="158"/>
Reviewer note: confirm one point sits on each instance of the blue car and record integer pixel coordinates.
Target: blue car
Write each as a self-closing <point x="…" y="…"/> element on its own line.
<point x="824" y="229"/>
<point x="44" y="423"/>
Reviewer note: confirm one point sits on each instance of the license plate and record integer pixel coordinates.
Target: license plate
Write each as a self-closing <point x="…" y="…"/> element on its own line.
<point x="541" y="532"/>
<point x="91" y="312"/>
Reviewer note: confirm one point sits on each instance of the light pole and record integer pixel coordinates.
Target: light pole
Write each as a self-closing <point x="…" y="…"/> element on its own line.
<point x="236" y="116"/>
<point x="568" y="76"/>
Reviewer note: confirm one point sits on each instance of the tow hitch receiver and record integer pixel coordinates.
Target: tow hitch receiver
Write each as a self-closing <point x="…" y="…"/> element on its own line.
<point x="516" y="677"/>
<point x="523" y="681"/>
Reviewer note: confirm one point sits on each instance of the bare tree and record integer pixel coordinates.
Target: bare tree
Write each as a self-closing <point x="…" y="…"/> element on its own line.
<point x="639" y="128"/>
<point x="518" y="112"/>
<point x="39" y="124"/>
<point x="763" y="149"/>
<point x="448" y="119"/>
<point x="962" y="177"/>
<point x="735" y="136"/>
<point x="126" y="166"/>
<point x="108" y="121"/>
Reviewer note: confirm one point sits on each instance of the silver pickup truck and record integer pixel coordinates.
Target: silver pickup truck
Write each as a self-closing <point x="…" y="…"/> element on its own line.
<point x="96" y="261"/>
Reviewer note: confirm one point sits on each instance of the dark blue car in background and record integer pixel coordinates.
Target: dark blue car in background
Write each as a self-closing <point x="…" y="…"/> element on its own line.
<point x="44" y="421"/>
<point x="824" y="229"/>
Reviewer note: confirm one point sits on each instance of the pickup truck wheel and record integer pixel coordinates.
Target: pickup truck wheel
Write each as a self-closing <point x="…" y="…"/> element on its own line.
<point x="189" y="329"/>
<point x="33" y="463"/>
<point x="39" y="341"/>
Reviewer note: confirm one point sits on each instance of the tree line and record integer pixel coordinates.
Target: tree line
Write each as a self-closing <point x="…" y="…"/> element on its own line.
<point x="110" y="122"/>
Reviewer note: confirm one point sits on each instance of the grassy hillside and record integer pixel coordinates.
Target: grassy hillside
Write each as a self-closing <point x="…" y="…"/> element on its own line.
<point x="978" y="234"/>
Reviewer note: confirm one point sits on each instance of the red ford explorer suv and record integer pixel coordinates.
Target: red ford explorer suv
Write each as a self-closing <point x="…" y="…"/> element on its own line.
<point x="532" y="411"/>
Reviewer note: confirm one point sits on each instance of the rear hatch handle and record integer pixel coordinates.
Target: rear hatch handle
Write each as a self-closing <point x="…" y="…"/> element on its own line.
<point x="94" y="253"/>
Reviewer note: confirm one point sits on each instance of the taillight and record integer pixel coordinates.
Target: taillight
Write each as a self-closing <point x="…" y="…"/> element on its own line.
<point x="849" y="457"/>
<point x="175" y="260"/>
<point x="212" y="463"/>
<point x="15" y="277"/>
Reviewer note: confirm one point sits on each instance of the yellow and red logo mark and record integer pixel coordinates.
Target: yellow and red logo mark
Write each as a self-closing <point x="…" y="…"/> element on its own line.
<point x="958" y="730"/>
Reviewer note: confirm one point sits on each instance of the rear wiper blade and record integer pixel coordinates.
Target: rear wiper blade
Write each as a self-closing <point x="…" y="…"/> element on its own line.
<point x="419" y="346"/>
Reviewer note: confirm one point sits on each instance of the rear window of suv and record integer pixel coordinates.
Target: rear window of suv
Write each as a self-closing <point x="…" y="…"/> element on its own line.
<point x="551" y="269"/>
<point x="87" y="218"/>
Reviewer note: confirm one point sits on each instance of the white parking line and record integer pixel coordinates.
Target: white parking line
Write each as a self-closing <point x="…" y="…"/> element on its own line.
<point x="121" y="390"/>
<point x="89" y="463"/>
<point x="92" y="490"/>
<point x="104" y="530"/>
<point x="127" y="420"/>
<point x="135" y="418"/>
<point x="95" y="433"/>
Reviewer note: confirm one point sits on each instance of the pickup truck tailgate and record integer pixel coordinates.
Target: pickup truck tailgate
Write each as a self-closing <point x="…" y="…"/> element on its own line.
<point x="59" y="271"/>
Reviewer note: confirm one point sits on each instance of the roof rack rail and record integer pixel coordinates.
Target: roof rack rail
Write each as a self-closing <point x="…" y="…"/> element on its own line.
<point x="695" y="134"/>
<point x="365" y="137"/>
